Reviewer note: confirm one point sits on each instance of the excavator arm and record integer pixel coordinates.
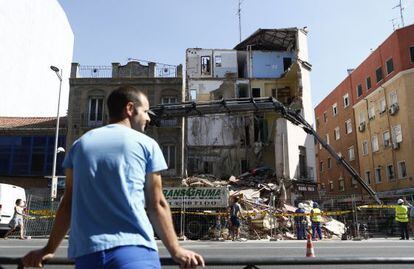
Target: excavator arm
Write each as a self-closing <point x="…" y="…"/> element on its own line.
<point x="240" y="105"/>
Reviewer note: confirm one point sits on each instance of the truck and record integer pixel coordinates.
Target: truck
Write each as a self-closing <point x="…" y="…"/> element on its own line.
<point x="195" y="209"/>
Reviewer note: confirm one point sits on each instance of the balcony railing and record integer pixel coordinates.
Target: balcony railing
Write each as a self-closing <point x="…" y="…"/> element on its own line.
<point x="91" y="71"/>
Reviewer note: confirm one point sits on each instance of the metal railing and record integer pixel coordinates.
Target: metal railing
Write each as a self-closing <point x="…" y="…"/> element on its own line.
<point x="94" y="71"/>
<point x="246" y="263"/>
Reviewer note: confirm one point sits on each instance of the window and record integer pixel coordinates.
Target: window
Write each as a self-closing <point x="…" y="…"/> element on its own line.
<point x="374" y="143"/>
<point x="169" y="100"/>
<point x="365" y="147"/>
<point x="95" y="111"/>
<point x="386" y="138"/>
<point x="217" y="60"/>
<point x="359" y="90"/>
<point x="390" y="172"/>
<point x="412" y="54"/>
<point x="368" y="177"/>
<point x="242" y="90"/>
<point x="327" y="139"/>
<point x="378" y="178"/>
<point x="341" y="184"/>
<point x="393" y="98"/>
<point x="378" y="74"/>
<point x="325" y="117"/>
<point x="382" y="106"/>
<point x="348" y="126"/>
<point x="351" y="153"/>
<point x="169" y="155"/>
<point x="193" y="94"/>
<point x="329" y="163"/>
<point x="402" y="170"/>
<point x="274" y="93"/>
<point x="320" y="166"/>
<point x="368" y="83"/>
<point x="361" y="117"/>
<point x="205" y="65"/>
<point x="255" y="92"/>
<point x="287" y="62"/>
<point x="390" y="66"/>
<point x="335" y="109"/>
<point x="331" y="185"/>
<point x="346" y="100"/>
<point x="337" y="134"/>
<point x="397" y="134"/>
<point x="371" y="112"/>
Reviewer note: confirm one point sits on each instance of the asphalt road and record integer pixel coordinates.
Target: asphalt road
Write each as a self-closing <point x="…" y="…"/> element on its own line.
<point x="296" y="249"/>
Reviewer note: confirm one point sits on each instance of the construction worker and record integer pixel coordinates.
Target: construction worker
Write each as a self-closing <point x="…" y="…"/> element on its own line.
<point x="401" y="216"/>
<point x="316" y="221"/>
<point x="300" y="223"/>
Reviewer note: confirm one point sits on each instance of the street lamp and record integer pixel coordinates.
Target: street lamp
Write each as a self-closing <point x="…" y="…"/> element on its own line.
<point x="53" y="191"/>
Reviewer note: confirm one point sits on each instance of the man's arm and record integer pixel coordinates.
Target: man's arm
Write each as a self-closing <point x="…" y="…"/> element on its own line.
<point x="160" y="216"/>
<point x="59" y="230"/>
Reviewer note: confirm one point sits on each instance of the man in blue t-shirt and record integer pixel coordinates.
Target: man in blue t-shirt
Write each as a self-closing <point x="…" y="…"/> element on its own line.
<point x="113" y="195"/>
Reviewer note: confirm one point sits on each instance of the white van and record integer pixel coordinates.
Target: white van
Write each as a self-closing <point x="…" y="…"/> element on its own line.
<point x="8" y="196"/>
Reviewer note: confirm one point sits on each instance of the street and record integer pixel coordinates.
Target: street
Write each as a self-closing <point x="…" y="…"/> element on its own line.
<point x="228" y="249"/>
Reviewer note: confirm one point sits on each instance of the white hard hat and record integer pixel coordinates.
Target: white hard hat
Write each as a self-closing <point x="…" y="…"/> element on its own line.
<point x="300" y="205"/>
<point x="400" y="201"/>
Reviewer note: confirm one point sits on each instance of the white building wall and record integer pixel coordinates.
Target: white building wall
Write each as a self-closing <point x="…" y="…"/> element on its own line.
<point x="308" y="112"/>
<point x="35" y="34"/>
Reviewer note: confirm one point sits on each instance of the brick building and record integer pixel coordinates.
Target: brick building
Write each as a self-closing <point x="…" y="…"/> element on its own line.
<point x="381" y="116"/>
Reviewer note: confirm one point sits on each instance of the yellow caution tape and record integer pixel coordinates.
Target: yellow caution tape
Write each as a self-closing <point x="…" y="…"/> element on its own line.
<point x="375" y="206"/>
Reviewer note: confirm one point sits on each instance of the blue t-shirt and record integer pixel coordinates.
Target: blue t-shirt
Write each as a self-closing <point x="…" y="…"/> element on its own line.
<point x="108" y="204"/>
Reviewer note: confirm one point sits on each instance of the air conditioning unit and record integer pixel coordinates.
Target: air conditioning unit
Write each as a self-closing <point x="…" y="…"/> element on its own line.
<point x="361" y="126"/>
<point x="395" y="145"/>
<point x="393" y="109"/>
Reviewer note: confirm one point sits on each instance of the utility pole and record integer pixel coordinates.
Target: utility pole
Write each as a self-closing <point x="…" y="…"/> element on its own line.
<point x="401" y="12"/>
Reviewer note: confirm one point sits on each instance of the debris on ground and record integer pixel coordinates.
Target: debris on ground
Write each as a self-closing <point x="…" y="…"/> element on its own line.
<point x="263" y="198"/>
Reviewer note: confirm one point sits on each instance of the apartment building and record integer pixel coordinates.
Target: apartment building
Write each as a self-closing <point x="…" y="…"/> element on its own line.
<point x="383" y="117"/>
<point x="335" y="123"/>
<point x="270" y="62"/>
<point x="91" y="85"/>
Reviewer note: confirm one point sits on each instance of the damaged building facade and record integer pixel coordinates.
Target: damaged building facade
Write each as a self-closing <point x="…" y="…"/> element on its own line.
<point x="270" y="62"/>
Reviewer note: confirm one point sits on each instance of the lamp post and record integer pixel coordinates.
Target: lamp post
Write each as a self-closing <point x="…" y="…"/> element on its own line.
<point x="53" y="191"/>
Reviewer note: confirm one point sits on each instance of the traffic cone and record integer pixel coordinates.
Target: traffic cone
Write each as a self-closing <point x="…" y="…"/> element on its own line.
<point x="310" y="252"/>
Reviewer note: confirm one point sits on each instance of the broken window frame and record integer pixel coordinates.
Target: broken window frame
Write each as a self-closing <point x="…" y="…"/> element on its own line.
<point x="205" y="65"/>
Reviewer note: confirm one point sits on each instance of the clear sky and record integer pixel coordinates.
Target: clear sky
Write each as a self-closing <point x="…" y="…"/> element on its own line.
<point x="341" y="32"/>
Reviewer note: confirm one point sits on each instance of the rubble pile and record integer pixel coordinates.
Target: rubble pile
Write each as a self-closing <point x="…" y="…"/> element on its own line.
<point x="262" y="197"/>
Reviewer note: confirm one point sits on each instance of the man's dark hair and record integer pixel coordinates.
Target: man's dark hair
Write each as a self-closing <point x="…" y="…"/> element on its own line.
<point x="119" y="98"/>
<point x="18" y="201"/>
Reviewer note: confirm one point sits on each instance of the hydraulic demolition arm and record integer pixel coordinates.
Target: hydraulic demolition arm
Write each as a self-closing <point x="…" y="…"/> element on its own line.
<point x="265" y="104"/>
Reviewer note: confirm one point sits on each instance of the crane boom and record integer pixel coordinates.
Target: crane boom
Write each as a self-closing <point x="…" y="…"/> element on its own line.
<point x="263" y="104"/>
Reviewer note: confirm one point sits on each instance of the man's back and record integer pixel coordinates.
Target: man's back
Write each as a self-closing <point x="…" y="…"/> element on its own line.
<point x="108" y="207"/>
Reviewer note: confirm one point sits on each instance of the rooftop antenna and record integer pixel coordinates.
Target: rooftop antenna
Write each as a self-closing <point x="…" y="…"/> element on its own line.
<point x="401" y="12"/>
<point x="394" y="25"/>
<point x="239" y="14"/>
